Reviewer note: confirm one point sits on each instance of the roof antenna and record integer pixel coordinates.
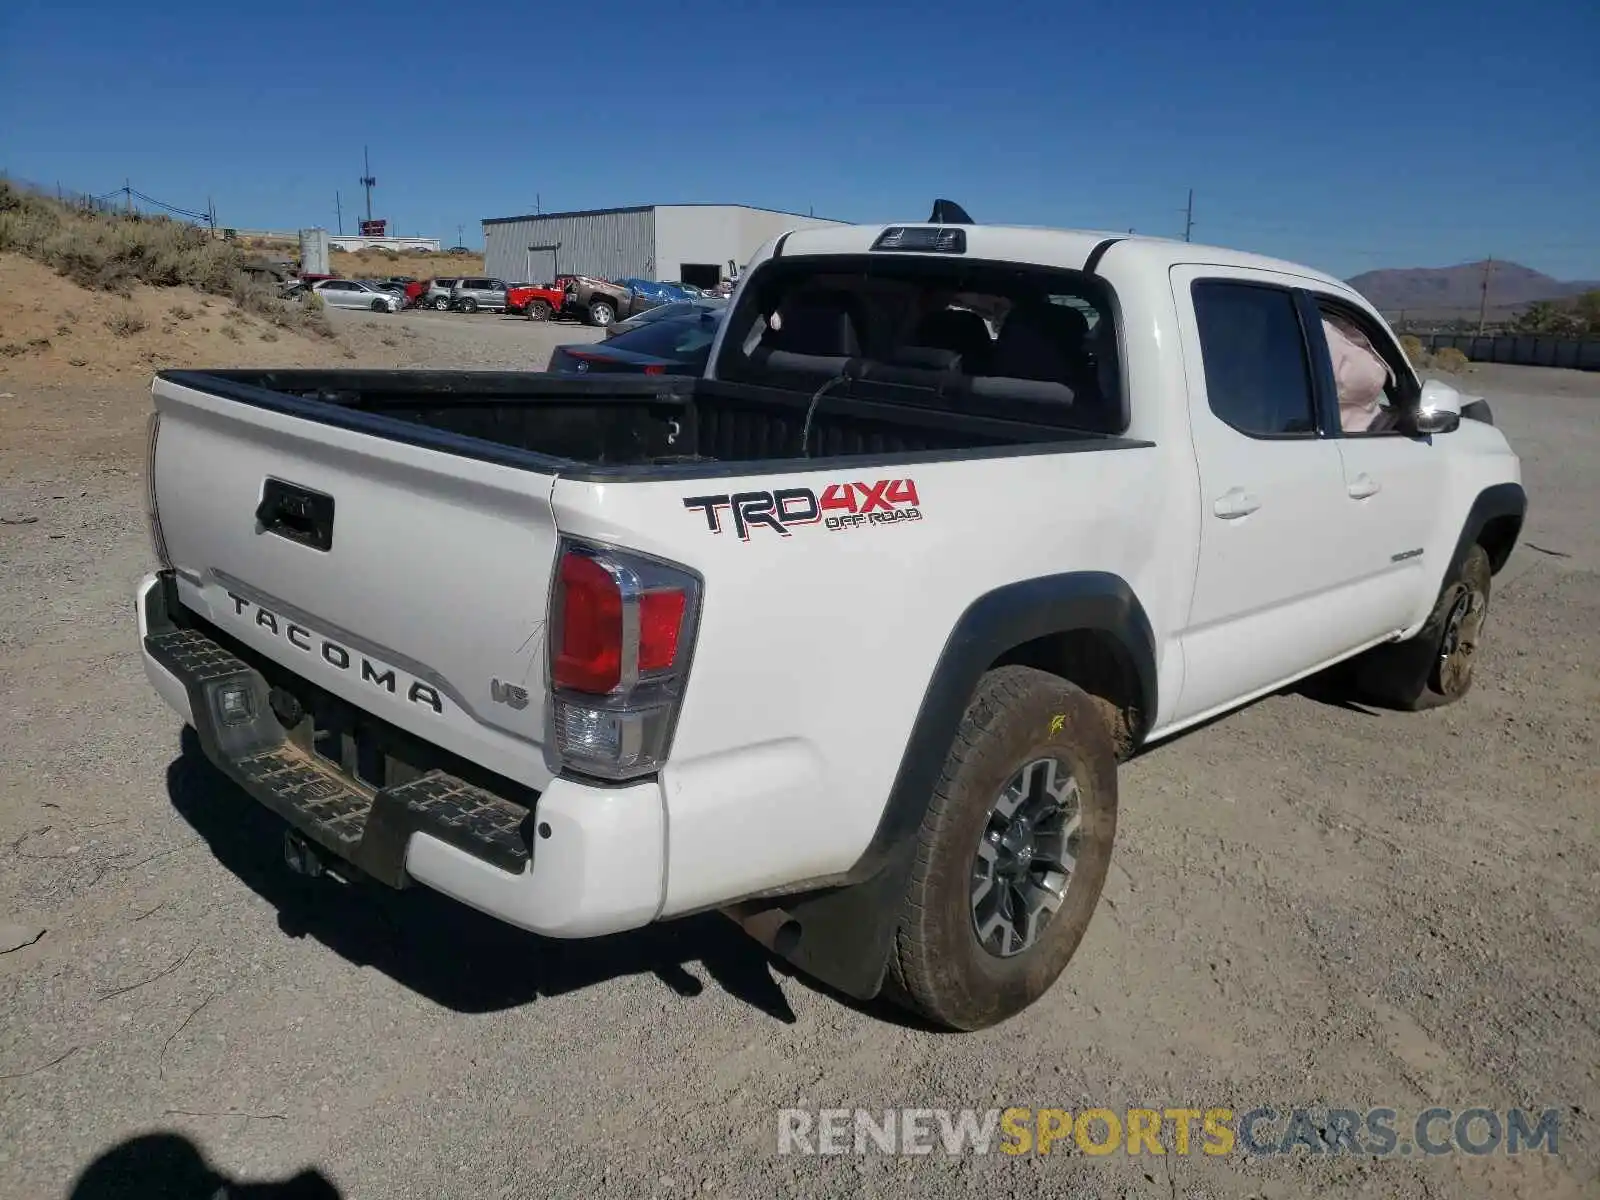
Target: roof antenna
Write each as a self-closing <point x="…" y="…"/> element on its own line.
<point x="948" y="212"/>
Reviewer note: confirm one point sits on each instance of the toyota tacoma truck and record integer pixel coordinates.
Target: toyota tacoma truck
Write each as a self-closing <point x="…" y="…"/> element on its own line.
<point x="844" y="638"/>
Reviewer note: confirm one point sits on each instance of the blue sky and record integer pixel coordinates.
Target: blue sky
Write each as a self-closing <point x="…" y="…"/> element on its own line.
<point x="1347" y="136"/>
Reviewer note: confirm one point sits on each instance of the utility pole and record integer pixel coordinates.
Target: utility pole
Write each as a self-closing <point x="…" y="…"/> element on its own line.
<point x="367" y="181"/>
<point x="1483" y="301"/>
<point x="1188" y="216"/>
<point x="459" y="228"/>
<point x="127" y="193"/>
<point x="338" y="211"/>
<point x="538" y="204"/>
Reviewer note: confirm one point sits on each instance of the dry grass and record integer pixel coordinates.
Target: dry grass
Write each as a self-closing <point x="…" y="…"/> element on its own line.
<point x="101" y="342"/>
<point x="109" y="252"/>
<point x="126" y="323"/>
<point x="380" y="264"/>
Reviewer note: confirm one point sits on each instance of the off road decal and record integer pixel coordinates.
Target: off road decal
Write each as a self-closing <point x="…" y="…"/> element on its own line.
<point x="841" y="506"/>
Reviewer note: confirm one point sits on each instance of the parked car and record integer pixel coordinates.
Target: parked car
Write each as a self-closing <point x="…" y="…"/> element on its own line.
<point x="600" y="302"/>
<point x="437" y="294"/>
<point x="846" y="638"/>
<point x="673" y="346"/>
<point x="674" y="308"/>
<point x="352" y="293"/>
<point x="469" y="295"/>
<point x="652" y="292"/>
<point x="536" y="301"/>
<point x="414" y="292"/>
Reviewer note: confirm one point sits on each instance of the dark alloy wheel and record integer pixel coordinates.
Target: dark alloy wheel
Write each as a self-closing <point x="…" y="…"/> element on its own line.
<point x="1026" y="857"/>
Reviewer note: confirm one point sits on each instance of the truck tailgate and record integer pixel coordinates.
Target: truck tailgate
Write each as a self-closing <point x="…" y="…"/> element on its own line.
<point x="410" y="582"/>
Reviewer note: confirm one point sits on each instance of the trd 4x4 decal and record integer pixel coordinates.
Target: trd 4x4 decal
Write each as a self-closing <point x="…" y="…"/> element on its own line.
<point x="841" y="506"/>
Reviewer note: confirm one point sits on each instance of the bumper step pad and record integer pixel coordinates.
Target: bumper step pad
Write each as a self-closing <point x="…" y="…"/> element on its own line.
<point x="369" y="829"/>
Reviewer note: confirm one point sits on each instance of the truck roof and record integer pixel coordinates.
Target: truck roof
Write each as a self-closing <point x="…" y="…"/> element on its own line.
<point x="1066" y="248"/>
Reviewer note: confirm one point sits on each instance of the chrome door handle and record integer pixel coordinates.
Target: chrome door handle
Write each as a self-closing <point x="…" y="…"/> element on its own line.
<point x="1235" y="503"/>
<point x="1362" y="486"/>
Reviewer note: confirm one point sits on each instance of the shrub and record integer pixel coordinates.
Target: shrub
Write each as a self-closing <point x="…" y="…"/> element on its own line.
<point x="231" y="332"/>
<point x="1450" y="359"/>
<point x="126" y="323"/>
<point x="113" y="252"/>
<point x="1414" y="352"/>
<point x="180" y="313"/>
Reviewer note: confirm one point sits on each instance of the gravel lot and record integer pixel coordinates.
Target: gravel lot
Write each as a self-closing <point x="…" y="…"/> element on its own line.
<point x="1313" y="904"/>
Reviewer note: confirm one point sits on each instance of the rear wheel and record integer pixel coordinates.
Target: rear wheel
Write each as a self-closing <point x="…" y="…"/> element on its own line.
<point x="537" y="310"/>
<point x="602" y="313"/>
<point x="1435" y="666"/>
<point x="1012" y="854"/>
<point x="468" y="305"/>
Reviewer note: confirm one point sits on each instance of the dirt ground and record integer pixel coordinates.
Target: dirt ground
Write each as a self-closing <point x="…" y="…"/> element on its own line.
<point x="1312" y="905"/>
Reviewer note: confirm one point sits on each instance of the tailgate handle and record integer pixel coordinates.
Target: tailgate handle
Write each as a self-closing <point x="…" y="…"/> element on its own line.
<point x="296" y="513"/>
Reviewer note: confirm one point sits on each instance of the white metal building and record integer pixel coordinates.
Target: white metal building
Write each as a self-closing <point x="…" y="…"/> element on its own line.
<point x="692" y="243"/>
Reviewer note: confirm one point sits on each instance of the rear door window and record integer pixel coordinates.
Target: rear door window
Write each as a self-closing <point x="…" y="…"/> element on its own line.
<point x="1258" y="377"/>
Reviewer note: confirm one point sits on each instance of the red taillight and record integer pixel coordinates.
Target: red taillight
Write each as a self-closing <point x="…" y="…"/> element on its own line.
<point x="622" y="632"/>
<point x="657" y="369"/>
<point x="660" y="619"/>
<point x="590" y="654"/>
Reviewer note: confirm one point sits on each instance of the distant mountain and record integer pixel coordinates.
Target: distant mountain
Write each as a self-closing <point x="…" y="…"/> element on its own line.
<point x="1511" y="285"/>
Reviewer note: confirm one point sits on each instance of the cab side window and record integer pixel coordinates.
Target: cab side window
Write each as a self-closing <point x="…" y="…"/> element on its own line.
<point x="1258" y="377"/>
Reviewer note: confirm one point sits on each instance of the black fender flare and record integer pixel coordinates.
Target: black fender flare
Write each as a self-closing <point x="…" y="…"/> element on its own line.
<point x="1497" y="501"/>
<point x="845" y="931"/>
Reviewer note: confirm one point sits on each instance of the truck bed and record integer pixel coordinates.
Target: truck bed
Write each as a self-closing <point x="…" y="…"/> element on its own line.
<point x="618" y="428"/>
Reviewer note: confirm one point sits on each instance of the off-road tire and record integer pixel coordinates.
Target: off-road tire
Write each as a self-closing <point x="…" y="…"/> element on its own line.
<point x="1017" y="716"/>
<point x="1426" y="671"/>
<point x="536" y="310"/>
<point x="602" y="313"/>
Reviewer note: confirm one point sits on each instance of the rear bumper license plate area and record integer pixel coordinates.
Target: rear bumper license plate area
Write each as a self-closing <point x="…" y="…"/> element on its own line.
<point x="353" y="784"/>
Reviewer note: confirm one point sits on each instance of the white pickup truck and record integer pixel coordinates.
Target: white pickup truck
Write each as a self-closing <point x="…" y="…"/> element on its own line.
<point x="844" y="639"/>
